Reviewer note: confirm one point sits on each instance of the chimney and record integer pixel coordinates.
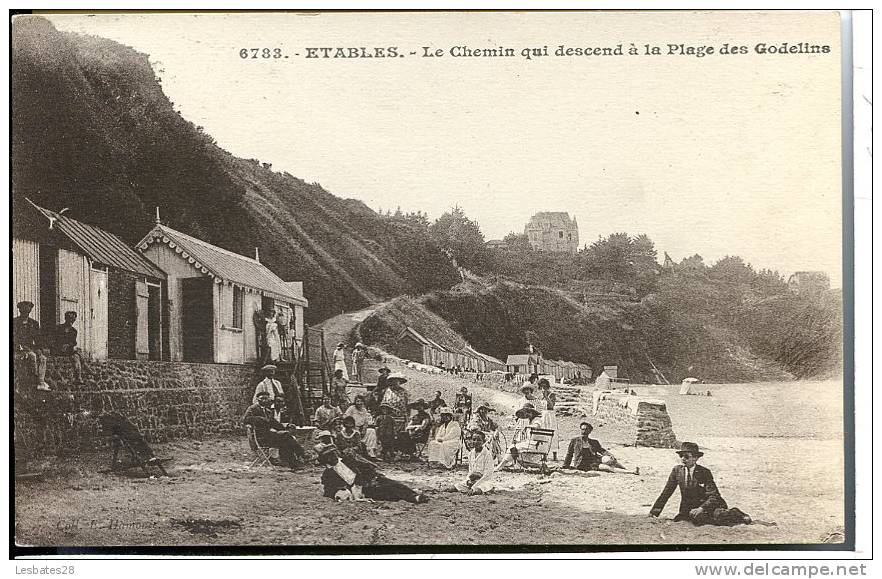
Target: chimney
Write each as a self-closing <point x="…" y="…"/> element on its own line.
<point x="157" y="215"/>
<point x="257" y="254"/>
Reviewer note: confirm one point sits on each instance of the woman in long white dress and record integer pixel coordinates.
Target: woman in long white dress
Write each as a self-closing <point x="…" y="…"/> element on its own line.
<point x="444" y="446"/>
<point x="273" y="340"/>
<point x="547" y="399"/>
<point x="339" y="357"/>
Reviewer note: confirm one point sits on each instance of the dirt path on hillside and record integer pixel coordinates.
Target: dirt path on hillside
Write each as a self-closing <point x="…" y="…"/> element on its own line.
<point x="338" y="328"/>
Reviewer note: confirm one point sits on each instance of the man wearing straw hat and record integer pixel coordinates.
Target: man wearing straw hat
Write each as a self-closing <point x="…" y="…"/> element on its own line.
<point x="269" y="384"/>
<point x="354" y="478"/>
<point x="700" y="500"/>
<point x="445" y="445"/>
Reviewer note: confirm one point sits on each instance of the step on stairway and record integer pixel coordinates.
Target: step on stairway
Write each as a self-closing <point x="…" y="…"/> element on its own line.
<point x="569" y="400"/>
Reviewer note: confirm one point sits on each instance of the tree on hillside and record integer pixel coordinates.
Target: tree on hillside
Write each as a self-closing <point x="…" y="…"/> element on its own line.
<point x="627" y="260"/>
<point x="518" y="241"/>
<point x="460" y="236"/>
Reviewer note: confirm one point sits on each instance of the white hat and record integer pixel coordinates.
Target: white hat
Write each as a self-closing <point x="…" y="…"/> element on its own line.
<point x="268" y="367"/>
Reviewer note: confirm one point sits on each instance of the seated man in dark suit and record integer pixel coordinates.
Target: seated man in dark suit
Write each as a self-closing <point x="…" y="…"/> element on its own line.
<point x="585" y="453"/>
<point x="352" y="477"/>
<point x="270" y="432"/>
<point x="700" y="500"/>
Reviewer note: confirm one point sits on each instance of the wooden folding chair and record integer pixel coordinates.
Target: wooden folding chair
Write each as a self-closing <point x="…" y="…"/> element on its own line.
<point x="261" y="453"/>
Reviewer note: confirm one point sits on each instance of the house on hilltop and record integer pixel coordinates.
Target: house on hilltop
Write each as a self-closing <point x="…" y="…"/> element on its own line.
<point x="216" y="298"/>
<point x="61" y="264"/>
<point x="809" y="282"/>
<point x="553" y="231"/>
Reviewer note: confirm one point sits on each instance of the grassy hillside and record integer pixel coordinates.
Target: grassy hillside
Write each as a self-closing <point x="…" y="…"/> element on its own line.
<point x="93" y="131"/>
<point x="495" y="317"/>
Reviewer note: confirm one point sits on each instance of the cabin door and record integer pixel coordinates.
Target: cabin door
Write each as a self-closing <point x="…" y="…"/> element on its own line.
<point x="197" y="319"/>
<point x="98" y="314"/>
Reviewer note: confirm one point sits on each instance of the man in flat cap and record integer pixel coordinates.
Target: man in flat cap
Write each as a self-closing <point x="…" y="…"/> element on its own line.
<point x="27" y="343"/>
<point x="700" y="500"/>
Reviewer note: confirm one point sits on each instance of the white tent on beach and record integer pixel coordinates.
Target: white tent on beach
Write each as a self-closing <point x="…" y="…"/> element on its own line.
<point x="687" y="386"/>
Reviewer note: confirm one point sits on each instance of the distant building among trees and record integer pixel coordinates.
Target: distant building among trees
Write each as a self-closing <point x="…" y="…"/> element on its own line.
<point x="809" y="282"/>
<point x="553" y="231"/>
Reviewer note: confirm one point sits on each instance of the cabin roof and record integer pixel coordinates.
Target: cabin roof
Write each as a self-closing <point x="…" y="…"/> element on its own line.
<point x="100" y="245"/>
<point x="222" y="264"/>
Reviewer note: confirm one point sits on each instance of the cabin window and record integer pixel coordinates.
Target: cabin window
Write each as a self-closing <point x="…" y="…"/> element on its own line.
<point x="238" y="307"/>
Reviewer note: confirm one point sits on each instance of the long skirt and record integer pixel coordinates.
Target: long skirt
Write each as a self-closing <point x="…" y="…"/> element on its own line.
<point x="549" y="420"/>
<point x="370" y="442"/>
<point x="341" y="365"/>
<point x="444" y="452"/>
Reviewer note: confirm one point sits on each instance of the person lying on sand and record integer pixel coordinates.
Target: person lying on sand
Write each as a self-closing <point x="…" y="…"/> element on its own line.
<point x="700" y="500"/>
<point x="354" y="478"/>
<point x="588" y="454"/>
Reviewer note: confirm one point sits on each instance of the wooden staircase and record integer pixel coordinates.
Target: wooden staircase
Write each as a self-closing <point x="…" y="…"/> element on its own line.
<point x="569" y="400"/>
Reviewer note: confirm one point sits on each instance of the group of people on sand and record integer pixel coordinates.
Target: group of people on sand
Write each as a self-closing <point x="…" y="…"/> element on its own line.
<point x="384" y="424"/>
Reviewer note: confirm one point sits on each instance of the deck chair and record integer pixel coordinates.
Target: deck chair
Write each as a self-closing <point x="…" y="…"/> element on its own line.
<point x="535" y="456"/>
<point x="125" y="436"/>
<point x="262" y="454"/>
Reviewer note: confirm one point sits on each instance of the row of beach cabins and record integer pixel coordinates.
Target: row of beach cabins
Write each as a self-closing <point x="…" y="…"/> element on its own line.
<point x="414" y="346"/>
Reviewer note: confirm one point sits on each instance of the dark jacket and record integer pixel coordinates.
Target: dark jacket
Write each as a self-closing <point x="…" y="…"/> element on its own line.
<point x="702" y="492"/>
<point x="365" y="472"/>
<point x="585" y="458"/>
<point x="65" y="342"/>
<point x="25" y="333"/>
<point x="261" y="420"/>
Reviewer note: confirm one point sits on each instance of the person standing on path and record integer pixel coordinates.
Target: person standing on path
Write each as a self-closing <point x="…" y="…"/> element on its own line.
<point x="358" y="356"/>
<point x="339" y="358"/>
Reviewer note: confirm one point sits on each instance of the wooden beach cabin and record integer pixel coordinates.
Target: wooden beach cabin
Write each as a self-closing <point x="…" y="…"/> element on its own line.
<point x="216" y="298"/>
<point x="62" y="264"/>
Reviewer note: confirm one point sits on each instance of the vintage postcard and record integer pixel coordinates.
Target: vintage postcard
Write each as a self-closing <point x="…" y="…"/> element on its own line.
<point x="377" y="282"/>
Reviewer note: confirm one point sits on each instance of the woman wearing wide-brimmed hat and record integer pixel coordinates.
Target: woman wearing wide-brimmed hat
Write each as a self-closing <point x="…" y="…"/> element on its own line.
<point x="445" y="445"/>
<point x="395" y="396"/>
<point x="700" y="500"/>
<point x="528" y="418"/>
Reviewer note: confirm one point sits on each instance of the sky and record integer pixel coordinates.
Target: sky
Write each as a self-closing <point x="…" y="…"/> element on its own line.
<point x="735" y="154"/>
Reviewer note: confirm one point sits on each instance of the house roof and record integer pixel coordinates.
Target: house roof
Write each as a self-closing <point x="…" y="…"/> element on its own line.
<point x="100" y="245"/>
<point x="222" y="264"/>
<point x="551" y="219"/>
<point x="415" y="335"/>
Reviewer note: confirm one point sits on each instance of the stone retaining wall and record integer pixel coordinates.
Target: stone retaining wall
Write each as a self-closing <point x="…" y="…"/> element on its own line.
<point x="165" y="400"/>
<point x="651" y="425"/>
